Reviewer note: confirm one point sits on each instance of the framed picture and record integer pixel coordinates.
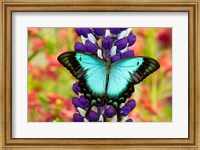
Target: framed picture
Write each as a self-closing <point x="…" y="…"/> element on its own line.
<point x="112" y="75"/>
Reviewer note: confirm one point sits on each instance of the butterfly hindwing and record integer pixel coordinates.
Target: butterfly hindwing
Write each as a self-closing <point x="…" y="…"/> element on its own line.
<point x="126" y="73"/>
<point x="90" y="71"/>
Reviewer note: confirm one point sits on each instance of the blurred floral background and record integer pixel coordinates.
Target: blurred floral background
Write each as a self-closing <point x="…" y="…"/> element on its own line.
<point x="50" y="85"/>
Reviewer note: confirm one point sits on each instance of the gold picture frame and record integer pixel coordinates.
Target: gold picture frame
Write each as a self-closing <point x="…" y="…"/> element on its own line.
<point x="9" y="6"/>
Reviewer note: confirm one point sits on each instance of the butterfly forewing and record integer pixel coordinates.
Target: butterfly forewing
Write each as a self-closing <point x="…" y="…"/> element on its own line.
<point x="126" y="73"/>
<point x="90" y="71"/>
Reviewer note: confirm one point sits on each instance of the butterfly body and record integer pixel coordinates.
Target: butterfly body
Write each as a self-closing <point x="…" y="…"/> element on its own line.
<point x="106" y="82"/>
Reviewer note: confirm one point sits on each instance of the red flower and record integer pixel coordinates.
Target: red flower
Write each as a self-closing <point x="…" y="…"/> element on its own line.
<point x="35" y="71"/>
<point x="66" y="115"/>
<point x="141" y="31"/>
<point x="62" y="32"/>
<point x="33" y="31"/>
<point x="52" y="60"/>
<point x="50" y="72"/>
<point x="53" y="97"/>
<point x="135" y="115"/>
<point x="165" y="36"/>
<point x="37" y="44"/>
<point x="147" y="104"/>
<point x="165" y="61"/>
<point x="33" y="101"/>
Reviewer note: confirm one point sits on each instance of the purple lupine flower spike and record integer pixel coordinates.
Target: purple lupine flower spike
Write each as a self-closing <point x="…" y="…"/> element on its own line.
<point x="121" y="44"/>
<point x="114" y="30"/>
<point x="129" y="120"/>
<point x="129" y="106"/>
<point x="131" y="39"/>
<point x="99" y="31"/>
<point x="91" y="47"/>
<point x="85" y="102"/>
<point x="83" y="31"/>
<point x="122" y="29"/>
<point x="124" y="111"/>
<point x="131" y="103"/>
<point x="110" y="112"/>
<point x="76" y="102"/>
<point x="93" y="116"/>
<point x="107" y="42"/>
<point x="86" y="31"/>
<point x="115" y="58"/>
<point x="110" y="44"/>
<point x="78" y="31"/>
<point x="77" y="118"/>
<point x="127" y="54"/>
<point x="76" y="88"/>
<point x="79" y="47"/>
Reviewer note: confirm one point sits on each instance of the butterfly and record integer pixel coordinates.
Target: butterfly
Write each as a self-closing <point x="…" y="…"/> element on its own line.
<point x="105" y="82"/>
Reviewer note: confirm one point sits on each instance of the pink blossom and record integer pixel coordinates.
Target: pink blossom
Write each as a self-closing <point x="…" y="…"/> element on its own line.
<point x="33" y="31"/>
<point x="165" y="61"/>
<point x="62" y="32"/>
<point x="164" y="36"/>
<point x="37" y="44"/>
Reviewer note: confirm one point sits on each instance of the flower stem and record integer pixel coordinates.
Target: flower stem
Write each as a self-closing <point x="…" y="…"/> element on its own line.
<point x="32" y="55"/>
